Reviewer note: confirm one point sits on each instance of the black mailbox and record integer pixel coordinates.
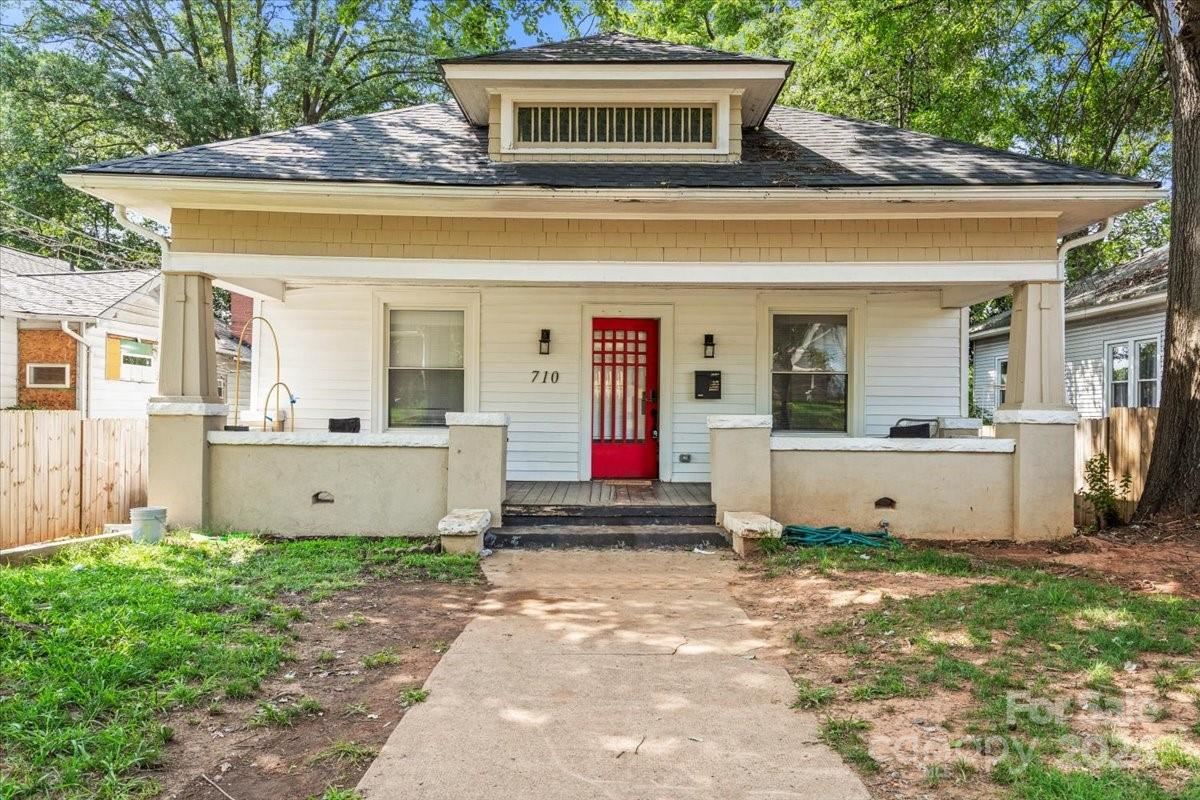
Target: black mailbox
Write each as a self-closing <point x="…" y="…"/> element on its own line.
<point x="708" y="384"/>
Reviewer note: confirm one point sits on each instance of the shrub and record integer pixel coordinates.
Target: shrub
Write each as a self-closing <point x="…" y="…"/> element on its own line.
<point x="1101" y="493"/>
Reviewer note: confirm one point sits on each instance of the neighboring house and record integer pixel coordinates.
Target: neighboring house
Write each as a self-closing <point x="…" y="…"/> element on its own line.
<point x="623" y="252"/>
<point x="77" y="340"/>
<point x="1114" y="340"/>
<point x="227" y="366"/>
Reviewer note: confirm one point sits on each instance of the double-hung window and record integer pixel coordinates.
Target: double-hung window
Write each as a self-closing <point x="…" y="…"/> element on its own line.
<point x="1133" y="373"/>
<point x="809" y="372"/>
<point x="426" y="376"/>
<point x="1001" y="381"/>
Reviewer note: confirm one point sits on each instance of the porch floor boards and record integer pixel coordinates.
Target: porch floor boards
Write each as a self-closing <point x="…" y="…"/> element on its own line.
<point x="607" y="493"/>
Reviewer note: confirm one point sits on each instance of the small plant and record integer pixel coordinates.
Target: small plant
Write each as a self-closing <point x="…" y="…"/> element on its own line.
<point x="272" y="715"/>
<point x="845" y="736"/>
<point x="1101" y="493"/>
<point x="326" y="657"/>
<point x="1157" y="713"/>
<point x="810" y="696"/>
<point x="410" y="697"/>
<point x="334" y="793"/>
<point x="356" y="710"/>
<point x="383" y="658"/>
<point x="344" y="752"/>
<point x="1170" y="753"/>
<point x="352" y="621"/>
<point x="1100" y="677"/>
<point x="933" y="775"/>
<point x="239" y="689"/>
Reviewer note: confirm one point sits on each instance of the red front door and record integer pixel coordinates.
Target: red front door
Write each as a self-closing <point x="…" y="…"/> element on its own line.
<point x="624" y="398"/>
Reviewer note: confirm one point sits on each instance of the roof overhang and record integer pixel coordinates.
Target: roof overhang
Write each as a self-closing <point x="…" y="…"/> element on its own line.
<point x="1073" y="207"/>
<point x="759" y="83"/>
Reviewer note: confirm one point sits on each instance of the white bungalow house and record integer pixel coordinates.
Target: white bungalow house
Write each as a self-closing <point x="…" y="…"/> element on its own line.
<point x="1115" y="322"/>
<point x="605" y="260"/>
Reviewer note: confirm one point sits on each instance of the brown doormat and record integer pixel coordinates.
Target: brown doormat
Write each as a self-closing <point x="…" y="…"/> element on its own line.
<point x="630" y="482"/>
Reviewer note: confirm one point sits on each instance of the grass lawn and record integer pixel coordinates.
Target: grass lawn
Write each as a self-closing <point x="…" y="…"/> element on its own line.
<point x="1062" y="688"/>
<point x="99" y="644"/>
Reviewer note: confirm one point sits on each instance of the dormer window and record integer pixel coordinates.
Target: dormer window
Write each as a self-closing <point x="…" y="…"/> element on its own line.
<point x="548" y="125"/>
<point x="621" y="123"/>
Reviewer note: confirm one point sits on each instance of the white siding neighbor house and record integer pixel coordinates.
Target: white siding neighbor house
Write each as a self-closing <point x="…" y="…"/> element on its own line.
<point x="83" y="340"/>
<point x="609" y="260"/>
<point x="1114" y="341"/>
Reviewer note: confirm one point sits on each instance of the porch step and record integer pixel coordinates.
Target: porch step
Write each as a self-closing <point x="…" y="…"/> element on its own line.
<point x="520" y="515"/>
<point x="709" y="537"/>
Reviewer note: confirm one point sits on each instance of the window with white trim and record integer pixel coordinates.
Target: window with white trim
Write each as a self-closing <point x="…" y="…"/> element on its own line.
<point x="48" y="376"/>
<point x="615" y="125"/>
<point x="810" y="373"/>
<point x="425" y="366"/>
<point x="1133" y="373"/>
<point x="1001" y="381"/>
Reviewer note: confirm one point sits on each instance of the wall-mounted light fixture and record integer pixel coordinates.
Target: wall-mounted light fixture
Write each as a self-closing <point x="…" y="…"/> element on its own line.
<point x="710" y="346"/>
<point x="544" y="342"/>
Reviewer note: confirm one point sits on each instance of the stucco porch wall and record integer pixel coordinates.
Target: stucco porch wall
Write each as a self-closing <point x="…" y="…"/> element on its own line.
<point x="964" y="493"/>
<point x="634" y="240"/>
<point x="385" y="485"/>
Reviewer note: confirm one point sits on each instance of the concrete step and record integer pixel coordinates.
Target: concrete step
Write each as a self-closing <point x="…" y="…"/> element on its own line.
<point x="709" y="537"/>
<point x="572" y="515"/>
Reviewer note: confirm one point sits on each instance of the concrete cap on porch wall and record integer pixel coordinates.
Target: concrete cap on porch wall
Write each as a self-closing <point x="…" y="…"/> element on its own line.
<point x="488" y="420"/>
<point x="174" y="408"/>
<point x="728" y="421"/>
<point x="1035" y="416"/>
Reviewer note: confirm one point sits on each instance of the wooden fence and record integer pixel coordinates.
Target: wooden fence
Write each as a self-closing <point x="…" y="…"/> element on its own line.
<point x="62" y="475"/>
<point x="1126" y="436"/>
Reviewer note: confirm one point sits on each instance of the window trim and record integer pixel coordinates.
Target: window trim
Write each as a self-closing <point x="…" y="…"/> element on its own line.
<point x="996" y="401"/>
<point x="30" y="367"/>
<point x="422" y="300"/>
<point x="853" y="307"/>
<point x="510" y="98"/>
<point x="1134" y="370"/>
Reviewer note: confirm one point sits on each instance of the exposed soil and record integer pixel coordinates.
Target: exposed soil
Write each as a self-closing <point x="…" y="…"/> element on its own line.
<point x="1161" y="557"/>
<point x="416" y="621"/>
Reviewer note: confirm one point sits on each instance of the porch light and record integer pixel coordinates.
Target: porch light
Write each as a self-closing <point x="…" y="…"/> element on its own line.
<point x="710" y="346"/>
<point x="544" y="342"/>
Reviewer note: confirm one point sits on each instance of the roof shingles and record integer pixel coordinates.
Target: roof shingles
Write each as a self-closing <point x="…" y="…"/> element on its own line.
<point x="611" y="47"/>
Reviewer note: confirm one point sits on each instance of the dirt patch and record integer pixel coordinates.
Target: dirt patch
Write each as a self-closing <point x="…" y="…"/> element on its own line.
<point x="1162" y="557"/>
<point x="413" y="623"/>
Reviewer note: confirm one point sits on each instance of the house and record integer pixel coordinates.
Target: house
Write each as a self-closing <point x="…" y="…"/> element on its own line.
<point x="1114" y="340"/>
<point x="612" y="258"/>
<point x="77" y="340"/>
<point x="87" y="340"/>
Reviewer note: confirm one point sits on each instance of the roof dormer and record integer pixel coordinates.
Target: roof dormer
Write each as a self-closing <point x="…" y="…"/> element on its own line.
<point x="614" y="97"/>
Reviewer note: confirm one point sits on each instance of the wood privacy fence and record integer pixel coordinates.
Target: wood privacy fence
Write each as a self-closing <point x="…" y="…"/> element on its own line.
<point x="1126" y="436"/>
<point x="62" y="475"/>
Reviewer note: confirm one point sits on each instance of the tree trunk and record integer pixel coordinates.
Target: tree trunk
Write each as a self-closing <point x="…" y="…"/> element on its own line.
<point x="1173" y="482"/>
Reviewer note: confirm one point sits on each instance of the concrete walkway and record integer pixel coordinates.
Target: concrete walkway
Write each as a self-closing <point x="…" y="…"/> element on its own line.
<point x="608" y="674"/>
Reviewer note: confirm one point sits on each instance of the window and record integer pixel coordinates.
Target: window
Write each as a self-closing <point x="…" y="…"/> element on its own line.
<point x="1147" y="373"/>
<point x="425" y="366"/>
<point x="616" y="125"/>
<point x="1001" y="381"/>
<point x="1134" y="373"/>
<point x="48" y="376"/>
<point x="809" y="372"/>
<point x="129" y="359"/>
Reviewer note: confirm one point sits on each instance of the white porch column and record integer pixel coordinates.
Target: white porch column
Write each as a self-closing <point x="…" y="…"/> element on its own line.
<point x="187" y="406"/>
<point x="478" y="452"/>
<point x="1035" y="414"/>
<point x="740" y="463"/>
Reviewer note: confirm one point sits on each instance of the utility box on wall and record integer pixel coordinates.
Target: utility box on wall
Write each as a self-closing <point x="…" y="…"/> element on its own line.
<point x="708" y="384"/>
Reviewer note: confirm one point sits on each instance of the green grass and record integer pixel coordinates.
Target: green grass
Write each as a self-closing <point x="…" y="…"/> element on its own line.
<point x="1028" y="631"/>
<point x="98" y="643"/>
<point x="282" y="716"/>
<point x="845" y="736"/>
<point x="810" y="696"/>
<point x="344" y="752"/>
<point x="410" y="697"/>
<point x="383" y="658"/>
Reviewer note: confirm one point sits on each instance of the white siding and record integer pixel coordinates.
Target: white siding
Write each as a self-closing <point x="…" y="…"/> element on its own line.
<point x="913" y="362"/>
<point x="116" y="398"/>
<point x="8" y="361"/>
<point x="1085" y="358"/>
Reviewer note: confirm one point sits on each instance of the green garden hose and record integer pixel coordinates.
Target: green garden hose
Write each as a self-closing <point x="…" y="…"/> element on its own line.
<point x="833" y="536"/>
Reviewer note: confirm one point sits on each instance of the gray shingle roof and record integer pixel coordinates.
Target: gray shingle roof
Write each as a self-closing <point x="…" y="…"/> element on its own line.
<point x="83" y="293"/>
<point x="434" y="145"/>
<point x="611" y="47"/>
<point x="1144" y="276"/>
<point x="18" y="262"/>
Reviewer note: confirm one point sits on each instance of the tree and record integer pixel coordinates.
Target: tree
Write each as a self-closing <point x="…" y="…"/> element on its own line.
<point x="1173" y="482"/>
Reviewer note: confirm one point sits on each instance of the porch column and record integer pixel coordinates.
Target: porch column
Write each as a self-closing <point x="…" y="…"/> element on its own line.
<point x="1035" y="414"/>
<point x="478" y="452"/>
<point x="740" y="463"/>
<point x="187" y="406"/>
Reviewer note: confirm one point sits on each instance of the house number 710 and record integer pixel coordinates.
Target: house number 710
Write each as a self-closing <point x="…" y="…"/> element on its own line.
<point x="545" y="376"/>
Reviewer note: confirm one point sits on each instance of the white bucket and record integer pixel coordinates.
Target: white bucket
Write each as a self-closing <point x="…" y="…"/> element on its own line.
<point x="148" y="524"/>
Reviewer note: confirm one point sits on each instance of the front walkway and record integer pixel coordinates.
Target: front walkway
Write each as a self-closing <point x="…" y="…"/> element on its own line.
<point x="627" y="675"/>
